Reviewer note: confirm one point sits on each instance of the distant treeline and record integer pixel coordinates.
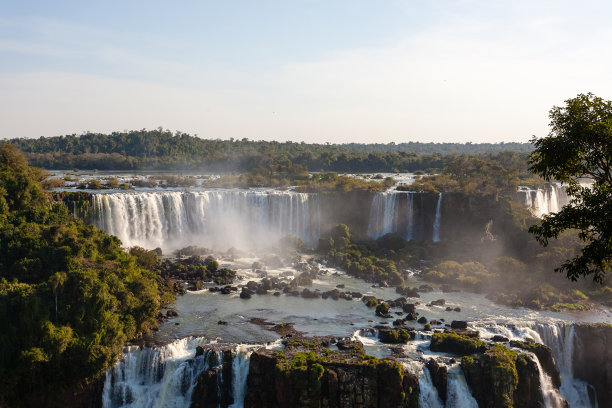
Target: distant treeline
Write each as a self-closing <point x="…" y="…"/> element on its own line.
<point x="159" y="149"/>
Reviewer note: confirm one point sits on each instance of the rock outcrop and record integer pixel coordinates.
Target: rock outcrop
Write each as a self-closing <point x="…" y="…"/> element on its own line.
<point x="593" y="358"/>
<point x="308" y="374"/>
<point x="501" y="377"/>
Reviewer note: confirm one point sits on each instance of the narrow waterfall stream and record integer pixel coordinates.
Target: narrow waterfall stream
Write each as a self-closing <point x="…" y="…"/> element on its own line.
<point x="436" y="224"/>
<point x="428" y="397"/>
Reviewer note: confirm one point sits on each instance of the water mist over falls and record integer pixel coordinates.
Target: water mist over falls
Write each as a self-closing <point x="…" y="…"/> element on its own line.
<point x="219" y="219"/>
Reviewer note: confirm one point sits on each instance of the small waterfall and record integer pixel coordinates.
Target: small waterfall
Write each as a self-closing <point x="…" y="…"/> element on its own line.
<point x="550" y="395"/>
<point x="166" y="376"/>
<point x="220" y="219"/>
<point x="428" y="395"/>
<point x="409" y="214"/>
<point x="410" y="229"/>
<point x="240" y="370"/>
<point x="383" y="214"/>
<point x="436" y="224"/>
<point x="154" y="377"/>
<point x="458" y="394"/>
<point x="561" y="339"/>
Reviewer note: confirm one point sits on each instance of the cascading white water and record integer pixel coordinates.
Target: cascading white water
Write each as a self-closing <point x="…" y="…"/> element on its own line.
<point x="544" y="201"/>
<point x="240" y="369"/>
<point x="386" y="215"/>
<point x="428" y="394"/>
<point x="458" y="394"/>
<point x="383" y="214"/>
<point x="550" y="395"/>
<point x="410" y="229"/>
<point x="219" y="219"/>
<point x="166" y="376"/>
<point x="154" y="377"/>
<point x="436" y="224"/>
<point x="561" y="339"/>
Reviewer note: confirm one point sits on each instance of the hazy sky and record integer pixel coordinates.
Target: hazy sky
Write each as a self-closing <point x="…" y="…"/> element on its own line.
<point x="303" y="70"/>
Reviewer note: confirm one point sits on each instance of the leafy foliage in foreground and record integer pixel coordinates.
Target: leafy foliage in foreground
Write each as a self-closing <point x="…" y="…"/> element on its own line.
<point x="70" y="297"/>
<point x="580" y="145"/>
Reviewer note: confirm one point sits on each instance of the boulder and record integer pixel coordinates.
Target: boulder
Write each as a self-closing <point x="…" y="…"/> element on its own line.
<point x="459" y="324"/>
<point x="439" y="375"/>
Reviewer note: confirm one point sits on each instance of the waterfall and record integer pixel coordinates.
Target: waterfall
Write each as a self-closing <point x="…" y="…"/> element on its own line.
<point x="436" y="224"/>
<point x="410" y="229"/>
<point x="387" y="214"/>
<point x="544" y="201"/>
<point x="220" y="219"/>
<point x="428" y="395"/>
<point x="458" y="394"/>
<point x="240" y="369"/>
<point x="154" y="377"/>
<point x="550" y="395"/>
<point x="166" y="376"/>
<point x="383" y="214"/>
<point x="561" y="339"/>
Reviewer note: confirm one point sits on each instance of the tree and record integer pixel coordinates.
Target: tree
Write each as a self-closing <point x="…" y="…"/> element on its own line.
<point x="56" y="281"/>
<point x="579" y="146"/>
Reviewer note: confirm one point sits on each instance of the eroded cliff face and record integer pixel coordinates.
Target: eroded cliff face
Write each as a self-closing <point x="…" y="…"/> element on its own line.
<point x="307" y="374"/>
<point x="592" y="358"/>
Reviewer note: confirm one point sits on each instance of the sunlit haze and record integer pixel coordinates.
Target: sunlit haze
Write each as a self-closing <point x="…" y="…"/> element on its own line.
<point x="305" y="70"/>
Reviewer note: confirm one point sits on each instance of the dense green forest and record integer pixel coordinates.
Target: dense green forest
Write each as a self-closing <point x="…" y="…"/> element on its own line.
<point x="159" y="149"/>
<point x="70" y="297"/>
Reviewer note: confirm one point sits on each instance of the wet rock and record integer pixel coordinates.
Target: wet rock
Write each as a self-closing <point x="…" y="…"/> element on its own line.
<point x="411" y="316"/>
<point x="340" y="286"/>
<point x="409" y="308"/>
<point x="390" y="335"/>
<point x="261" y="291"/>
<point x="252" y="285"/>
<point x="422" y="320"/>
<point x="457" y="309"/>
<point x="459" y="324"/>
<point x="449" y="309"/>
<point x="407" y="292"/>
<point x="438" y="302"/>
<point x="171" y="313"/>
<point x="439" y="375"/>
<point x="222" y="322"/>
<point x="309" y="294"/>
<point x="382" y="310"/>
<point x="500" y="339"/>
<point x="425" y="289"/>
<point x="245" y="295"/>
<point x="277" y="293"/>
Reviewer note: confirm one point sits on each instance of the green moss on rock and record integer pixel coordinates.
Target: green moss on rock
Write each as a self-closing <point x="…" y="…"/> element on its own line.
<point x="456" y="344"/>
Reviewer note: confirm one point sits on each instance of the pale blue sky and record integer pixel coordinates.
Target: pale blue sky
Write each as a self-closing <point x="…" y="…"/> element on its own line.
<point x="304" y="70"/>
